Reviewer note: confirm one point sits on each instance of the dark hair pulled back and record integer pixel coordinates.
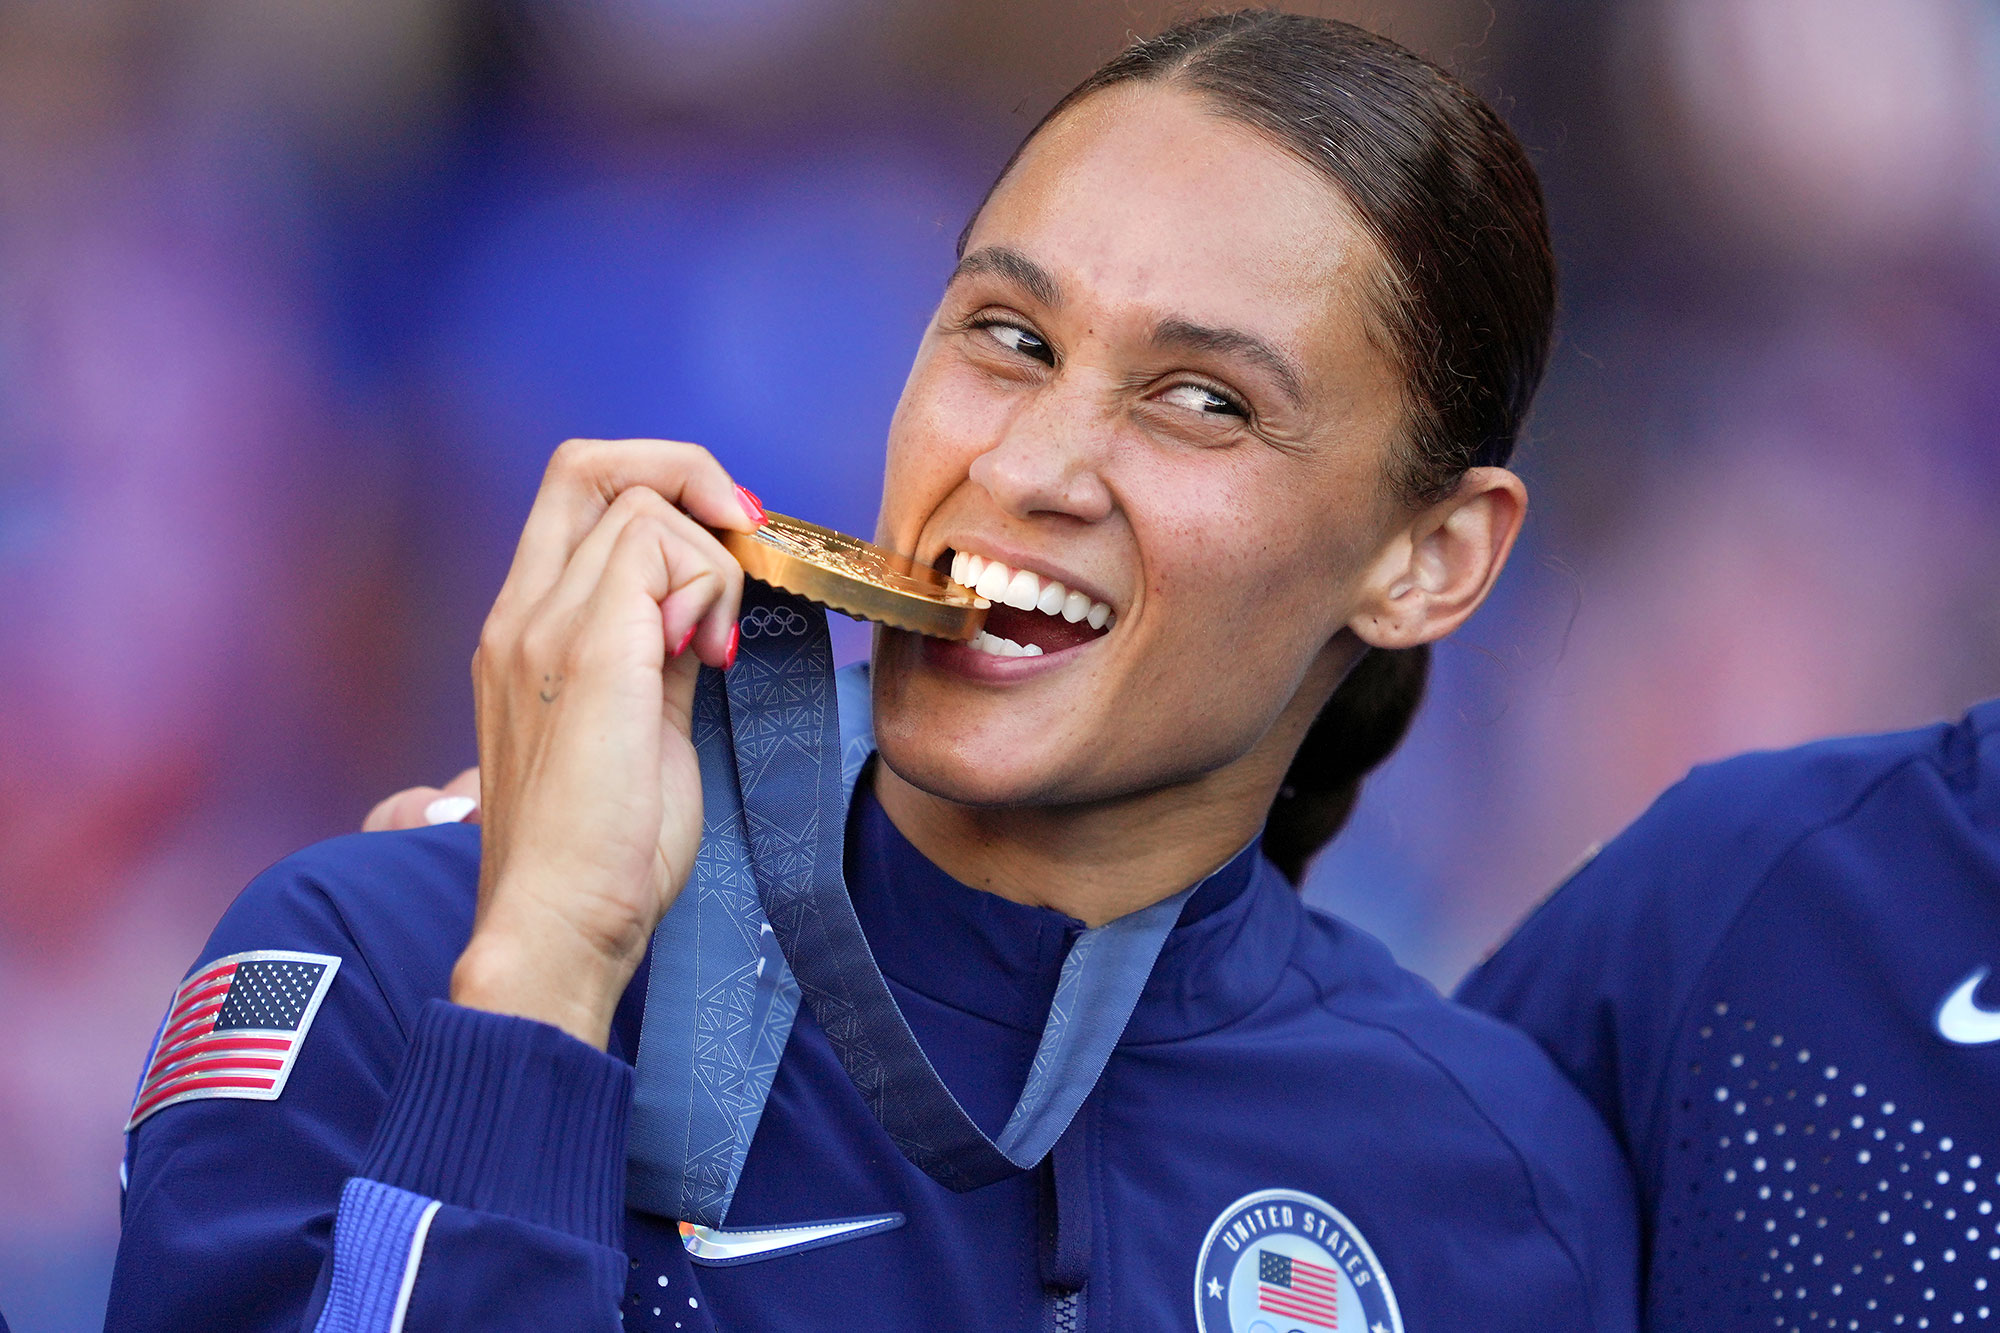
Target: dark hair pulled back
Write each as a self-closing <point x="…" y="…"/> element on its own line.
<point x="1465" y="303"/>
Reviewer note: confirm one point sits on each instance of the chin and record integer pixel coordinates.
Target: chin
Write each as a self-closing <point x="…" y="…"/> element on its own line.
<point x="967" y="767"/>
<point x="1038" y="733"/>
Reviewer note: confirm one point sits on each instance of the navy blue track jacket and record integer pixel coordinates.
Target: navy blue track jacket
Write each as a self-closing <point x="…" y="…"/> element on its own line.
<point x="1293" y="1134"/>
<point x="1774" y="987"/>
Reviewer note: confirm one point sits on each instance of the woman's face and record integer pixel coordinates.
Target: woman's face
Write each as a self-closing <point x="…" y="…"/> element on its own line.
<point x="1151" y="380"/>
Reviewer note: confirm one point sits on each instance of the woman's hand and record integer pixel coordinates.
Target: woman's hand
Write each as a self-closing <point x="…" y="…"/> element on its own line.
<point x="590" y="799"/>
<point x="457" y="802"/>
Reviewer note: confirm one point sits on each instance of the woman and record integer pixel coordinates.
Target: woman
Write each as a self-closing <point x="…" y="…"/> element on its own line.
<point x="1216" y="403"/>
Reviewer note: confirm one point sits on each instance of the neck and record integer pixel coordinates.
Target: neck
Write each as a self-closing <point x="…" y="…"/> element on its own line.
<point x="1100" y="860"/>
<point x="1095" y="862"/>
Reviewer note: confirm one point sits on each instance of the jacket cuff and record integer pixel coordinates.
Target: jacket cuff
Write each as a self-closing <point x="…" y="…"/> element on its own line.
<point x="509" y="1116"/>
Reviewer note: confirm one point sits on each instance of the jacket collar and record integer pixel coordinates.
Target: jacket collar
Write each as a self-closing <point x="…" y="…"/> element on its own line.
<point x="999" y="959"/>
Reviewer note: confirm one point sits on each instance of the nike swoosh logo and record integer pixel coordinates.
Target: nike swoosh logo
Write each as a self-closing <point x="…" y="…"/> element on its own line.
<point x="716" y="1246"/>
<point x="1961" y="1020"/>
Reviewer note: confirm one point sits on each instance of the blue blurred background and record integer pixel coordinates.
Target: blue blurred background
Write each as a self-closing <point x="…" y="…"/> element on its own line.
<point x="296" y="298"/>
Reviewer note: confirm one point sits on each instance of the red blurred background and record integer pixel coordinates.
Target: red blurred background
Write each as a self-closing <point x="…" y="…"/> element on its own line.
<point x="295" y="299"/>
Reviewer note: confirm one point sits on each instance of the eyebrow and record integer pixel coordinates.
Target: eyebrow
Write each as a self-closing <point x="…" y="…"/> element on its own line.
<point x="1187" y="336"/>
<point x="1005" y="262"/>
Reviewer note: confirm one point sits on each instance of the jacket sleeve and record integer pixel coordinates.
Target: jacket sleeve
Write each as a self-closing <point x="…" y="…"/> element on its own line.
<point x="1603" y="972"/>
<point x="432" y="1169"/>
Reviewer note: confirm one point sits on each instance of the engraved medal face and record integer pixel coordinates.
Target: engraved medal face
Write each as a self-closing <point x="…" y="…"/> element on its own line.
<point x="851" y="576"/>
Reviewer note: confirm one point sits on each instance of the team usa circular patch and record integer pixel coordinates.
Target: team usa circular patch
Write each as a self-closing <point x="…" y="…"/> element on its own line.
<point x="1279" y="1261"/>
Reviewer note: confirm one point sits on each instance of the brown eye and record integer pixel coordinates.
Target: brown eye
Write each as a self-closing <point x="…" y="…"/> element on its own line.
<point x="1017" y="339"/>
<point x="1201" y="398"/>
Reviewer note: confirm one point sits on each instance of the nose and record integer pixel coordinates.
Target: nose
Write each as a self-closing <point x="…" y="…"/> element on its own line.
<point x="1049" y="460"/>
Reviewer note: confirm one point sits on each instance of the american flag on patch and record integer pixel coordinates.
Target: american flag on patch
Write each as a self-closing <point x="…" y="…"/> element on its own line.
<point x="1298" y="1289"/>
<point x="234" y="1028"/>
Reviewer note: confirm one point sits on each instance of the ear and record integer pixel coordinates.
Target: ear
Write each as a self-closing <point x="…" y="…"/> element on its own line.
<point x="1434" y="573"/>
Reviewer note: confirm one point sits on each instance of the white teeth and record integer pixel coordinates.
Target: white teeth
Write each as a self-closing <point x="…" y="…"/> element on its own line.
<point x="999" y="647"/>
<point x="1022" y="591"/>
<point x="991" y="581"/>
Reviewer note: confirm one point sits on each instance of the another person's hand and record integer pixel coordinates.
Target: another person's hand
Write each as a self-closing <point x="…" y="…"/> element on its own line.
<point x="590" y="797"/>
<point x="457" y="802"/>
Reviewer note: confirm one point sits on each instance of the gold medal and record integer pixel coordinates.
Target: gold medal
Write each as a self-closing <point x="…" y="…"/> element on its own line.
<point x="849" y="575"/>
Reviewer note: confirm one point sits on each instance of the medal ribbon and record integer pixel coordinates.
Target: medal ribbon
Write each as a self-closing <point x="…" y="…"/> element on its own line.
<point x="781" y="747"/>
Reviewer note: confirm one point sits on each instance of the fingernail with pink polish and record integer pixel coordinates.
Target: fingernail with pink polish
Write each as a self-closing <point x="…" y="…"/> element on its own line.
<point x="751" y="506"/>
<point x="686" y="639"/>
<point x="729" y="658"/>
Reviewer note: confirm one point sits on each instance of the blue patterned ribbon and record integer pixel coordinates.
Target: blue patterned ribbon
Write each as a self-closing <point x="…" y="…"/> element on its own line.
<point x="778" y="770"/>
<point x="719" y="1003"/>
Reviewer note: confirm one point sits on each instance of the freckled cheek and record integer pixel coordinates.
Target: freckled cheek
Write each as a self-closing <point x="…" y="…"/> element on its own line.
<point x="933" y="440"/>
<point x="942" y="424"/>
<point x="1245" y="580"/>
<point x="1218" y="601"/>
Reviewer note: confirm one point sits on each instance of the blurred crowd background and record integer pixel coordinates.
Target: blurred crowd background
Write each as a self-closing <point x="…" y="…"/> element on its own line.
<point x="295" y="298"/>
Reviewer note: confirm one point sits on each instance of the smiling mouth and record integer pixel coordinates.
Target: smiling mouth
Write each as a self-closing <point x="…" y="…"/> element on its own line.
<point x="1032" y="614"/>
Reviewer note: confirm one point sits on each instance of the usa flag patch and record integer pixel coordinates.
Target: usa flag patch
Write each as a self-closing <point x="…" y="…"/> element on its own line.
<point x="234" y="1029"/>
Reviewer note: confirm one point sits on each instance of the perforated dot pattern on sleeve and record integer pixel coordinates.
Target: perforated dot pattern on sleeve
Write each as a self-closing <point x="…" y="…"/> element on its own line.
<point x="1801" y="1193"/>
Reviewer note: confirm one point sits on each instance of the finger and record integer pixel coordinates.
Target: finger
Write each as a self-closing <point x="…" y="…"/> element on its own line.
<point x="449" y="809"/>
<point x="404" y="810"/>
<point x="585" y="477"/>
<point x="586" y="567"/>
<point x="709" y="622"/>
<point x="466" y="784"/>
<point x="702" y="618"/>
<point x="689" y="591"/>
<point x="703" y="583"/>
